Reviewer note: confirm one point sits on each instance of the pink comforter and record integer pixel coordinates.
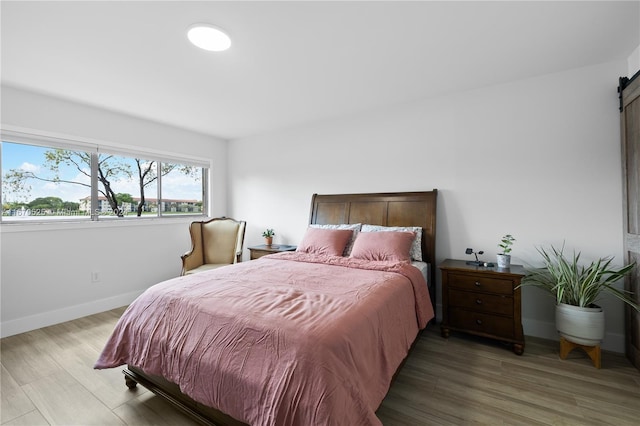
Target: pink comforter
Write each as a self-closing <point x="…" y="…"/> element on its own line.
<point x="290" y="339"/>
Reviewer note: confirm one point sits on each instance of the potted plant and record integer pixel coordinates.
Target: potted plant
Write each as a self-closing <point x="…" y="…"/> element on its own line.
<point x="504" y="258"/>
<point x="268" y="236"/>
<point x="576" y="289"/>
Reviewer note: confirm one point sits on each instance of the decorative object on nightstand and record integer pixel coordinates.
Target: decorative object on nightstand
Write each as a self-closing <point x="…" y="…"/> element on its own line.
<point x="257" y="252"/>
<point x="268" y="236"/>
<point x="504" y="258"/>
<point x="477" y="262"/>
<point x="484" y="301"/>
<point x="576" y="289"/>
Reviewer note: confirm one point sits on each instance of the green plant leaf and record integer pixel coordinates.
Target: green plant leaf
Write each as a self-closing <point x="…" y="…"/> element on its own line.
<point x="575" y="284"/>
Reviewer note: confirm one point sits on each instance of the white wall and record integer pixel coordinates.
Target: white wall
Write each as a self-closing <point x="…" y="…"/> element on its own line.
<point x="538" y="158"/>
<point x="633" y="62"/>
<point x="46" y="270"/>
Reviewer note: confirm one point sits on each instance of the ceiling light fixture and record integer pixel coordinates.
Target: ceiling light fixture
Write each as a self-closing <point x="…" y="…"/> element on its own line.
<point x="208" y="37"/>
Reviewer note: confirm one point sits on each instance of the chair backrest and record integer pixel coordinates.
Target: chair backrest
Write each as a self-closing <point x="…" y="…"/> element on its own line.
<point x="222" y="239"/>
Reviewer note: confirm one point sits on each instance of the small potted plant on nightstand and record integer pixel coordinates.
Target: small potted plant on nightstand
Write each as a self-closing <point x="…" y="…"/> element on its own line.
<point x="268" y="236"/>
<point x="504" y="258"/>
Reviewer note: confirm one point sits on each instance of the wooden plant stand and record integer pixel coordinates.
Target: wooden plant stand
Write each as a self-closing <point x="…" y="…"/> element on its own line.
<point x="593" y="351"/>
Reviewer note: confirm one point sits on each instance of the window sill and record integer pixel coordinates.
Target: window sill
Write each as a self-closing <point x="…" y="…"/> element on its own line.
<point x="11" y="227"/>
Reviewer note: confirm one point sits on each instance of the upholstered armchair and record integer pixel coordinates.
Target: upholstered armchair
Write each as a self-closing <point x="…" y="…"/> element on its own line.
<point x="214" y="243"/>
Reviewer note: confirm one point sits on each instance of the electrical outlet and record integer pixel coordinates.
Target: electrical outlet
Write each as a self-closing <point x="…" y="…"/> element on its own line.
<point x="95" y="277"/>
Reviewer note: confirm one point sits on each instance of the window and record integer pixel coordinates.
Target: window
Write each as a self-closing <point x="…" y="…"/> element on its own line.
<point x="46" y="180"/>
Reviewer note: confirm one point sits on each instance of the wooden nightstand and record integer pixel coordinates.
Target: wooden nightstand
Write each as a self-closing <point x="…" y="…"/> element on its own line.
<point x="482" y="301"/>
<point x="257" y="252"/>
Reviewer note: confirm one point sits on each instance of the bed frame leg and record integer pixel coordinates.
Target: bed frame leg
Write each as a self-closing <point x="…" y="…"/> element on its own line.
<point x="128" y="380"/>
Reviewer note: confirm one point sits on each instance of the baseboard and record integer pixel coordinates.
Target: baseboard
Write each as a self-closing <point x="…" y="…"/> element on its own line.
<point x="542" y="329"/>
<point x="613" y="342"/>
<point x="45" y="319"/>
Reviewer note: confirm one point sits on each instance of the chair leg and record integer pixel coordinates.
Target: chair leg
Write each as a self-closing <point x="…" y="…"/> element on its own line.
<point x="593" y="351"/>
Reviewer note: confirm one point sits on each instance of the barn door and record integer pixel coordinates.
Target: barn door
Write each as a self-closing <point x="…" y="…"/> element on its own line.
<point x="630" y="131"/>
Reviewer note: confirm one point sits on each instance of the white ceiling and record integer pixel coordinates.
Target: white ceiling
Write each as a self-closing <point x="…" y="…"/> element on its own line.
<point x="293" y="63"/>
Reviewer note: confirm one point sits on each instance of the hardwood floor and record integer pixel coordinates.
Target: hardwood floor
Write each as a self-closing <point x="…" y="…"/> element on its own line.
<point x="47" y="378"/>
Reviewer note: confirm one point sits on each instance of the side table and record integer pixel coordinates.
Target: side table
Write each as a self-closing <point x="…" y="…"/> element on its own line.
<point x="257" y="252"/>
<point x="484" y="301"/>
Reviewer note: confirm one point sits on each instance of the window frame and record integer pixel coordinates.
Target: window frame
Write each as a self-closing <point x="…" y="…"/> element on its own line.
<point x="94" y="148"/>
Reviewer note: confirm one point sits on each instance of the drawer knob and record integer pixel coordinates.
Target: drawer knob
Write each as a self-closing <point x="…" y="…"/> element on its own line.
<point x="478" y="301"/>
<point x="477" y="283"/>
<point x="479" y="321"/>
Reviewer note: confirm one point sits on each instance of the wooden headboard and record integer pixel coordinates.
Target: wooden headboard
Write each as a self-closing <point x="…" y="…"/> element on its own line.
<point x="387" y="209"/>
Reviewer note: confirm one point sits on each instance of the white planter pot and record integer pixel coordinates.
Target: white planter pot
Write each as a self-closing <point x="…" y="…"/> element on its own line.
<point x="584" y="326"/>
<point x="504" y="260"/>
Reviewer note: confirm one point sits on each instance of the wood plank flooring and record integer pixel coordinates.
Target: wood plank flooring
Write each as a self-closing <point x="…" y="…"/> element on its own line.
<point x="48" y="379"/>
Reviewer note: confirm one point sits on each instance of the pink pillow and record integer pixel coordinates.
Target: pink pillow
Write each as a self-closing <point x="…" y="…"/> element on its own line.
<point x="325" y="241"/>
<point x="394" y="246"/>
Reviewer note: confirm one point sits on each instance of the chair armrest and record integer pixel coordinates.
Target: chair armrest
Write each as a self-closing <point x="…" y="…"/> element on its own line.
<point x="190" y="260"/>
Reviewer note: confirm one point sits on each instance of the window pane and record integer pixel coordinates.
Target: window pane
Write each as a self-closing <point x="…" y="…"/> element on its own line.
<point x="43" y="183"/>
<point x="182" y="189"/>
<point x="127" y="187"/>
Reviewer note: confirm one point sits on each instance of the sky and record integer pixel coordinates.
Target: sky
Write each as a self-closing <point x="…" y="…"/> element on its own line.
<point x="31" y="158"/>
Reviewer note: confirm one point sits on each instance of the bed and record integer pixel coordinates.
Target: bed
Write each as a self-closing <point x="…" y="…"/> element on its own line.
<point x="287" y="339"/>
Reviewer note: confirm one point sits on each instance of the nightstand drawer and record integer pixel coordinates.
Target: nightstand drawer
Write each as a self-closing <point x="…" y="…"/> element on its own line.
<point x="482" y="302"/>
<point x="481" y="283"/>
<point x="257" y="254"/>
<point x="481" y="323"/>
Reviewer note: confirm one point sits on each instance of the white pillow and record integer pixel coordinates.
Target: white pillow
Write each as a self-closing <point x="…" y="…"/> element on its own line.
<point x="416" y="247"/>
<point x="355" y="227"/>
